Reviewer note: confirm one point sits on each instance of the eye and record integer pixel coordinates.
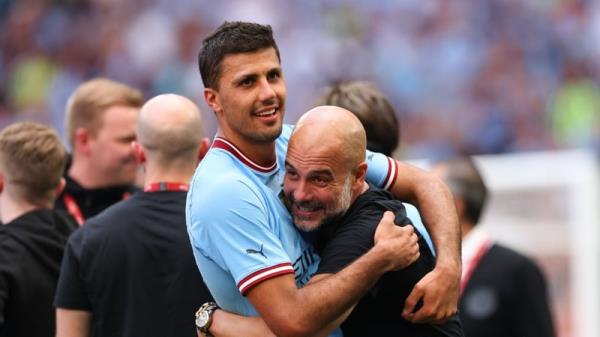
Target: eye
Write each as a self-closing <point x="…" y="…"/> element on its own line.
<point x="291" y="174"/>
<point x="320" y="181"/>
<point x="273" y="75"/>
<point x="246" y="82"/>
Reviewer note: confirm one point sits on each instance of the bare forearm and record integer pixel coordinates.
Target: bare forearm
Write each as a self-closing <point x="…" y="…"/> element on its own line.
<point x="331" y="297"/>
<point x="289" y="311"/>
<point x="226" y="324"/>
<point x="73" y="323"/>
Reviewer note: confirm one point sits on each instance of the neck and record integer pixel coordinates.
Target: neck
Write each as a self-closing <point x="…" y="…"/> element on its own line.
<point x="261" y="153"/>
<point x="81" y="172"/>
<point x="466" y="227"/>
<point x="173" y="175"/>
<point x="12" y="209"/>
<point x="362" y="188"/>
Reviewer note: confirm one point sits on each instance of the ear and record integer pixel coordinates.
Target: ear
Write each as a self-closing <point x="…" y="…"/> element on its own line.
<point x="360" y="175"/>
<point x="211" y="97"/>
<point x="61" y="186"/>
<point x="204" y="145"/>
<point x="138" y="152"/>
<point x="81" y="141"/>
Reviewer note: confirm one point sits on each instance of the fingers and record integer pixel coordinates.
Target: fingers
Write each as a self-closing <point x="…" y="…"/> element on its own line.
<point x="411" y="301"/>
<point x="384" y="227"/>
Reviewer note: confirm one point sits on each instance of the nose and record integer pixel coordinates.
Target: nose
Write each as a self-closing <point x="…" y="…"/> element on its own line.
<point x="301" y="192"/>
<point x="267" y="93"/>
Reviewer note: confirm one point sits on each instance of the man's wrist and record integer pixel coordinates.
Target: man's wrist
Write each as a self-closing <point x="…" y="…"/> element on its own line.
<point x="380" y="258"/>
<point x="204" y="317"/>
<point x="449" y="266"/>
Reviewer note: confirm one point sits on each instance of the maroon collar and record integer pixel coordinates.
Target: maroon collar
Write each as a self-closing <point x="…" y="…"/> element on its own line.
<point x="221" y="143"/>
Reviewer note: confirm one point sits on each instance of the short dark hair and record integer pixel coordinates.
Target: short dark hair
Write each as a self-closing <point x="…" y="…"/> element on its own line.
<point x="231" y="38"/>
<point x="465" y="182"/>
<point x="372" y="108"/>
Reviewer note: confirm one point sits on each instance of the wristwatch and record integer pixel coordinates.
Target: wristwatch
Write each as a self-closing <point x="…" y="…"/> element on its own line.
<point x="204" y="317"/>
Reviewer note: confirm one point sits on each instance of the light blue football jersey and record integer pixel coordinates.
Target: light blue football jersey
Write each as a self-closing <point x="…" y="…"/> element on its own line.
<point x="240" y="231"/>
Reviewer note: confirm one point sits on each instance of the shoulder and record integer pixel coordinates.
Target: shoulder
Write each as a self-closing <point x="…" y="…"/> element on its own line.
<point x="115" y="215"/>
<point x="281" y="142"/>
<point x="501" y="252"/>
<point x="515" y="259"/>
<point x="224" y="201"/>
<point x="375" y="201"/>
<point x="9" y="247"/>
<point x="224" y="190"/>
<point x="286" y="132"/>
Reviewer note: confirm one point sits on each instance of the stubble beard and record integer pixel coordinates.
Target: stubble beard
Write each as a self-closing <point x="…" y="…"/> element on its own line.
<point x="340" y="208"/>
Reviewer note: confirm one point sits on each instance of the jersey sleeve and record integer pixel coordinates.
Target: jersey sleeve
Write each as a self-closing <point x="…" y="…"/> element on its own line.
<point x="415" y="217"/>
<point x="70" y="291"/>
<point x="234" y="230"/>
<point x="382" y="171"/>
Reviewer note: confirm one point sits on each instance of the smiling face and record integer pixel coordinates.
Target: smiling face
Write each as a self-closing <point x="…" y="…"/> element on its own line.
<point x="325" y="166"/>
<point x="249" y="101"/>
<point x="110" y="149"/>
<point x="318" y="187"/>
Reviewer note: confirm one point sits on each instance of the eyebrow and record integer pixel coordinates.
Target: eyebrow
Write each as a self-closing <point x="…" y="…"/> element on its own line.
<point x="252" y="75"/>
<point x="241" y="78"/>
<point x="323" y="172"/>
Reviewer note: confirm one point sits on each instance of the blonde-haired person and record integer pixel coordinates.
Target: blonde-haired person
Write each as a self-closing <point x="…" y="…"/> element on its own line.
<point x="100" y="122"/>
<point x="130" y="270"/>
<point x="32" y="239"/>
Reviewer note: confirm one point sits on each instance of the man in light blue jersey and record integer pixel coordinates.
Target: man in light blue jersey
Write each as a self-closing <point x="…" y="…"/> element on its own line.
<point x="252" y="259"/>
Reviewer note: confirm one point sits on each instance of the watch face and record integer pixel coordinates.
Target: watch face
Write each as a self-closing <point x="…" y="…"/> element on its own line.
<point x="202" y="319"/>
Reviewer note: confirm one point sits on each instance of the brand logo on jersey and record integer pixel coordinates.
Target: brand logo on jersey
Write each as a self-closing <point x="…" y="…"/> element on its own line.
<point x="254" y="251"/>
<point x="302" y="266"/>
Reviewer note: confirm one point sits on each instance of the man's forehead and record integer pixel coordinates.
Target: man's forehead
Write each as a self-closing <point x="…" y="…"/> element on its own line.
<point x="319" y="160"/>
<point x="251" y="61"/>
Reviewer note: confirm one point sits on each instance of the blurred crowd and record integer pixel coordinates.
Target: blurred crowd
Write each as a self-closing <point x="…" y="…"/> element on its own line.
<point x="468" y="76"/>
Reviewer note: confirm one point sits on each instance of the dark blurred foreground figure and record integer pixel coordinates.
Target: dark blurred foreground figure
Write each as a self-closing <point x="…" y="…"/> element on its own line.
<point x="33" y="237"/>
<point x="130" y="271"/>
<point x="100" y="123"/>
<point x="503" y="293"/>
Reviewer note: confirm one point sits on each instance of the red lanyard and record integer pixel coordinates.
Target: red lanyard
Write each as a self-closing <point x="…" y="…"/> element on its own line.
<point x="164" y="186"/>
<point x="74" y="209"/>
<point x="472" y="264"/>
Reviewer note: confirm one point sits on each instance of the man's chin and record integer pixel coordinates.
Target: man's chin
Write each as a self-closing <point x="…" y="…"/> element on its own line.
<point x="307" y="226"/>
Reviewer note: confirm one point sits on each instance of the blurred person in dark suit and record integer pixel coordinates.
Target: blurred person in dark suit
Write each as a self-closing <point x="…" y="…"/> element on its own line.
<point x="130" y="270"/>
<point x="33" y="237"/>
<point x="100" y="121"/>
<point x="503" y="293"/>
